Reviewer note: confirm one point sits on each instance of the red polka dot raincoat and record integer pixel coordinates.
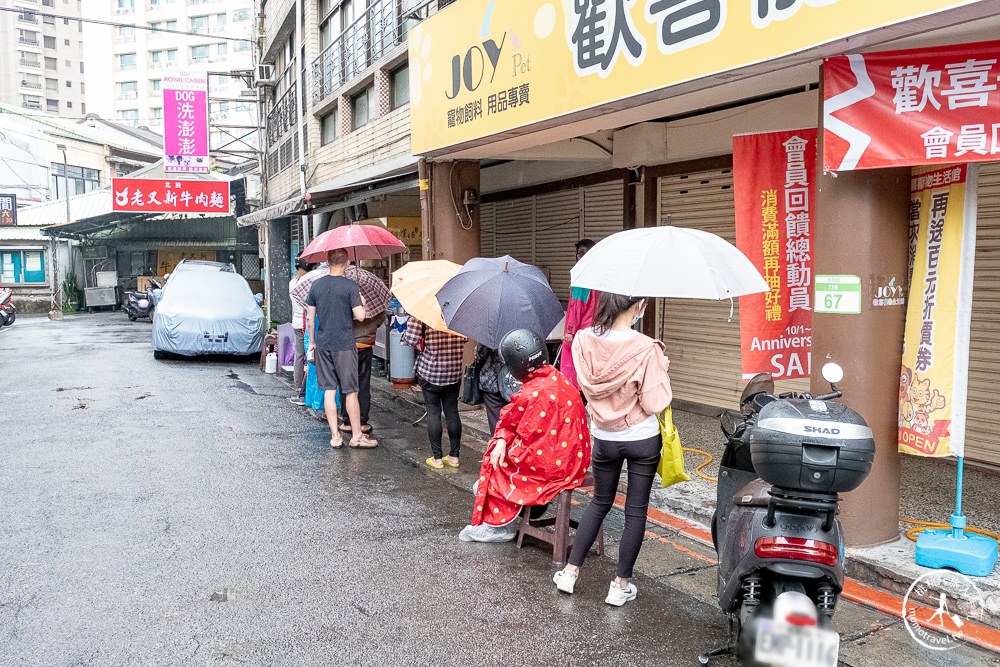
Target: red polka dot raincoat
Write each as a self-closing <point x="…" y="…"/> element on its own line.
<point x="548" y="449"/>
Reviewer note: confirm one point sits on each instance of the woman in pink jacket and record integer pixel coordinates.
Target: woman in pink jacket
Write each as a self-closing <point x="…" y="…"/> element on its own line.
<point x="623" y="375"/>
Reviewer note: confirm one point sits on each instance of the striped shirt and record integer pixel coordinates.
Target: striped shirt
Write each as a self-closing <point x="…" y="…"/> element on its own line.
<point x="440" y="361"/>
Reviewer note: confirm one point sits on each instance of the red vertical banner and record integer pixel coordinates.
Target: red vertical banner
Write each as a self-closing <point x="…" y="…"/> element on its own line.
<point x="774" y="179"/>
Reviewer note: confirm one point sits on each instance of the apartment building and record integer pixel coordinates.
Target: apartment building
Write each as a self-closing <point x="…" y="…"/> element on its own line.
<point x="337" y="124"/>
<point x="41" y="56"/>
<point x="147" y="43"/>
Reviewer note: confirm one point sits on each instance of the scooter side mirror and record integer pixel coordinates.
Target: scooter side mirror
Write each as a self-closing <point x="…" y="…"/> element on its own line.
<point x="832" y="372"/>
<point x="259" y="298"/>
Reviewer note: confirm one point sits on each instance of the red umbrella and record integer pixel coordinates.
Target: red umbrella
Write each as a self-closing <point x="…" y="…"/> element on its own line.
<point x="360" y="242"/>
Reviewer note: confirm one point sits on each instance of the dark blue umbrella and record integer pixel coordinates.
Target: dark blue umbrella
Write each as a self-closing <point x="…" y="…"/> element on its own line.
<point x="490" y="297"/>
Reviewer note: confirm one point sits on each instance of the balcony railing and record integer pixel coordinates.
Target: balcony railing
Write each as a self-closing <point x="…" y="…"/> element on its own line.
<point x="128" y="95"/>
<point x="380" y="29"/>
<point x="31" y="104"/>
<point x="30" y="84"/>
<point x="28" y="18"/>
<point x="283" y="116"/>
<point x="28" y="41"/>
<point x="30" y="63"/>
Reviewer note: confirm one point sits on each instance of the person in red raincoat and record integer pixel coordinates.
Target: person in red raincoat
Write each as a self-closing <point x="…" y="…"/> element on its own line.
<point x="540" y="448"/>
<point x="579" y="316"/>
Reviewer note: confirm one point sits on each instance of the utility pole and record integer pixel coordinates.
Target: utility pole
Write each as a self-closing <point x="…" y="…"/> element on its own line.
<point x="56" y="312"/>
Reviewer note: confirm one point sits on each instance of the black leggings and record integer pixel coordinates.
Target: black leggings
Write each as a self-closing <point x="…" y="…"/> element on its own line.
<point x="443" y="399"/>
<point x="608" y="456"/>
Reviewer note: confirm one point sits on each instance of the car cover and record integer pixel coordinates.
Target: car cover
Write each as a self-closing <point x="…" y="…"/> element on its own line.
<point x="207" y="312"/>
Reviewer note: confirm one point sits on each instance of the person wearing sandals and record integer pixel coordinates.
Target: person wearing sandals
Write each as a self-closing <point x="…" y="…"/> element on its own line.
<point x="623" y="375"/>
<point x="337" y="302"/>
<point x="439" y="373"/>
<point x="376" y="298"/>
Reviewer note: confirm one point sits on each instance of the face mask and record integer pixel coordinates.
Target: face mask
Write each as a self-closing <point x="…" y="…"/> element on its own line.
<point x="635" y="320"/>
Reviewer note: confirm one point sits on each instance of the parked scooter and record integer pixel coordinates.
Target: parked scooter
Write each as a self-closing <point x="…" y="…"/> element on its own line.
<point x="140" y="304"/>
<point x="8" y="311"/>
<point x="775" y="528"/>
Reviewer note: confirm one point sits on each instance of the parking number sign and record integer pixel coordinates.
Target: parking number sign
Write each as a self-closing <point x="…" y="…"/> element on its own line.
<point x="838" y="294"/>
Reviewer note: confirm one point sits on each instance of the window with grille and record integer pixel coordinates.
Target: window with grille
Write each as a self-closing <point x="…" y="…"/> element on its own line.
<point x="250" y="266"/>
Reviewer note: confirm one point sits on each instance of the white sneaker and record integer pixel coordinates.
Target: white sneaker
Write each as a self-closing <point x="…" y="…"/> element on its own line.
<point x="565" y="580"/>
<point x="618" y="596"/>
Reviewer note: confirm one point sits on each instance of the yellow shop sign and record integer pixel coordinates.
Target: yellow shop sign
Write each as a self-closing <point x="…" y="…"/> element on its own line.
<point x="482" y="67"/>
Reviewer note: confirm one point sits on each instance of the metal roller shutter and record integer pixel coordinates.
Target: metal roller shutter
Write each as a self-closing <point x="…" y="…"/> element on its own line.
<point x="603" y="209"/>
<point x="488" y="228"/>
<point x="983" y="428"/>
<point x="703" y="346"/>
<point x="542" y="229"/>
<point x="557" y="228"/>
<point x="514" y="222"/>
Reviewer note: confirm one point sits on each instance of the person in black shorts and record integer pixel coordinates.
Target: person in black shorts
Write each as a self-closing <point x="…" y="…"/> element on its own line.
<point x="336" y="301"/>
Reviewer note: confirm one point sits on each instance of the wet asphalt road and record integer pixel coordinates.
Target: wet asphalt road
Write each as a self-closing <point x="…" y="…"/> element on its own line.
<point x="132" y="490"/>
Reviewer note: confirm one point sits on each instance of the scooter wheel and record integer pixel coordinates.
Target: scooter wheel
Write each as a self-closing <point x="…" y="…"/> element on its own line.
<point x="132" y="318"/>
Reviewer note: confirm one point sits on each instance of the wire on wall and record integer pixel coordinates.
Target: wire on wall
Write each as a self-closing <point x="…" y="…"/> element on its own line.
<point x="454" y="200"/>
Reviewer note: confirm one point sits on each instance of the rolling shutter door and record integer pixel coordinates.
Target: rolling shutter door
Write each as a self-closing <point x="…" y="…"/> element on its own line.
<point x="703" y="346"/>
<point x="557" y="225"/>
<point x="488" y="228"/>
<point x="542" y="229"/>
<point x="982" y="425"/>
<point x="514" y="229"/>
<point x="603" y="210"/>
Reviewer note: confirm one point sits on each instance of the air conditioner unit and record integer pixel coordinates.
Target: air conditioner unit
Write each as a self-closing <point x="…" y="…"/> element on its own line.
<point x="264" y="75"/>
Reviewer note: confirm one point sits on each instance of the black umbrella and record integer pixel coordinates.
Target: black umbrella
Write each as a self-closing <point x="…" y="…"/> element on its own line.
<point x="490" y="297"/>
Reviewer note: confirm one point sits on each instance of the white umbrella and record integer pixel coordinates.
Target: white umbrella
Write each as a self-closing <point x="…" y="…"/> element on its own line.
<point x="671" y="262"/>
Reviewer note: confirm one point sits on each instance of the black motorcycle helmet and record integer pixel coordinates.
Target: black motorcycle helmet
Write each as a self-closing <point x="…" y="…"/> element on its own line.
<point x="522" y="352"/>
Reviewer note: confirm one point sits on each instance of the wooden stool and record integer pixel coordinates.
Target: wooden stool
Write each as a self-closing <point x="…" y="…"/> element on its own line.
<point x="556" y="530"/>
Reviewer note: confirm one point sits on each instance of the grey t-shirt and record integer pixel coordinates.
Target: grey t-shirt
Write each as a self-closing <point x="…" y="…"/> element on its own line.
<point x="334" y="297"/>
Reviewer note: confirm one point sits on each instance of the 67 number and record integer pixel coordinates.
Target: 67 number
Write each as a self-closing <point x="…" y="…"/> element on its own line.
<point x="832" y="301"/>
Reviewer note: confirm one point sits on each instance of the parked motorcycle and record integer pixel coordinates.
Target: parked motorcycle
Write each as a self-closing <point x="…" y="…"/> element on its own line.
<point x="8" y="311"/>
<point x="140" y="304"/>
<point x="775" y="528"/>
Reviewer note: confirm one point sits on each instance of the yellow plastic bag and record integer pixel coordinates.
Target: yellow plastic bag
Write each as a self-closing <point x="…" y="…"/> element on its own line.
<point x="671" y="466"/>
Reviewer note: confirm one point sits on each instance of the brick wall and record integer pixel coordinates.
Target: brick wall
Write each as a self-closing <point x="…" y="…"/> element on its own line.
<point x="383" y="139"/>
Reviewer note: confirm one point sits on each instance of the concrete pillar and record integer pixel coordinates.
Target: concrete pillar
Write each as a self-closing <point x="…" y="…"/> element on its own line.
<point x="450" y="229"/>
<point x="279" y="250"/>
<point x="861" y="229"/>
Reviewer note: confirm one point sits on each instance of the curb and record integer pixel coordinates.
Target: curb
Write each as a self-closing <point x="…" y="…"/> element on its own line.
<point x="856" y="591"/>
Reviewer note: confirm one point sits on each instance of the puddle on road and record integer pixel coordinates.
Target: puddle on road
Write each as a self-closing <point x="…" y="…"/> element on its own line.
<point x="146" y="395"/>
<point x="232" y="375"/>
<point x="80" y="406"/>
<point x="245" y="387"/>
<point x="73" y="388"/>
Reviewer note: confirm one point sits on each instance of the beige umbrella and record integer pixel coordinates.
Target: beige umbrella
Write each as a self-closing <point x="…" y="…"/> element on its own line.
<point x="415" y="285"/>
